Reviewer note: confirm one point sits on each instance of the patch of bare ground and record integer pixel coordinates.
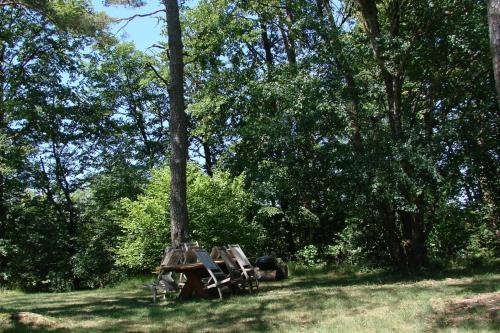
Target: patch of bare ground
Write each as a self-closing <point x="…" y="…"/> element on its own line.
<point x="480" y="310"/>
<point x="34" y="320"/>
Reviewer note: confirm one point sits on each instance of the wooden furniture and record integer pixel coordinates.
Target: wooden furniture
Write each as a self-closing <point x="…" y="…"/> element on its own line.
<point x="164" y="281"/>
<point x="194" y="273"/>
<point x="200" y="274"/>
<point x="218" y="278"/>
<point x="188" y="258"/>
<point x="247" y="270"/>
<point x="220" y="252"/>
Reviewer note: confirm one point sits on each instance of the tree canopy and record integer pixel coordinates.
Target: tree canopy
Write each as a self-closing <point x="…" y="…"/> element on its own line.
<point x="349" y="132"/>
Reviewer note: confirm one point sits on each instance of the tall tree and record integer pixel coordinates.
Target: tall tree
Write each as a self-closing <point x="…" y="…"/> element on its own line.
<point x="178" y="126"/>
<point x="494" y="24"/>
<point x="178" y="118"/>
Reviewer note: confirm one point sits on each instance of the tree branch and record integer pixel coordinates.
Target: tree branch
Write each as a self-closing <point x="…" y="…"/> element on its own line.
<point x="127" y="20"/>
<point x="157" y="74"/>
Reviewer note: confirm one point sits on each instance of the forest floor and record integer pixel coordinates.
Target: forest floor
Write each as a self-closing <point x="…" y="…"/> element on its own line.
<point x="321" y="302"/>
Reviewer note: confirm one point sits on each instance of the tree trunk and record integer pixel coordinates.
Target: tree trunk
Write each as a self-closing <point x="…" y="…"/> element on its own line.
<point x="391" y="235"/>
<point x="63" y="184"/>
<point x="178" y="127"/>
<point x="354" y="109"/>
<point x="208" y="159"/>
<point x="3" y="125"/>
<point x="412" y="223"/>
<point x="288" y="39"/>
<point x="137" y="114"/>
<point x="289" y="229"/>
<point x="266" y="44"/>
<point x="494" y="25"/>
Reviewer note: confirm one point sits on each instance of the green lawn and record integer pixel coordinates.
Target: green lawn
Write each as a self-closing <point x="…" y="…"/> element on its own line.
<point x="326" y="302"/>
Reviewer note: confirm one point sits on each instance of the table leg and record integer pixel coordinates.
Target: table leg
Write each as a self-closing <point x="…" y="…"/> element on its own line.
<point x="193" y="285"/>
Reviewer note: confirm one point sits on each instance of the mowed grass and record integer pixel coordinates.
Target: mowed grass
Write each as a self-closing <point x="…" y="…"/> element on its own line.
<point x="323" y="302"/>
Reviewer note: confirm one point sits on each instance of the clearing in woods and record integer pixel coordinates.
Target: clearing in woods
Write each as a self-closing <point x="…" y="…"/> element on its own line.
<point x="322" y="302"/>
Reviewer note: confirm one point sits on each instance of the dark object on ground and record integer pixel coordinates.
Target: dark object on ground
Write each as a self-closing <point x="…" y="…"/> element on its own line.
<point x="266" y="263"/>
<point x="271" y="269"/>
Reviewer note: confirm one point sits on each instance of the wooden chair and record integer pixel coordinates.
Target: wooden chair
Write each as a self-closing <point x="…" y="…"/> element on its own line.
<point x="247" y="270"/>
<point x="188" y="257"/>
<point x="164" y="281"/>
<point x="171" y="257"/>
<point x="229" y="261"/>
<point x="215" y="253"/>
<point x="217" y="277"/>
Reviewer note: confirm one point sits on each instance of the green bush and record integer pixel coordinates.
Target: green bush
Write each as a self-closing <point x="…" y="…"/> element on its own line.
<point x="309" y="256"/>
<point x="220" y="213"/>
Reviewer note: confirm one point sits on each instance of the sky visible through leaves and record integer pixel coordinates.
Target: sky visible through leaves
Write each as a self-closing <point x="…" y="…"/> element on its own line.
<point x="143" y="31"/>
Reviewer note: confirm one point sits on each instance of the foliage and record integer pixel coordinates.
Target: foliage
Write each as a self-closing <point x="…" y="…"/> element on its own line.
<point x="219" y="208"/>
<point x="350" y="132"/>
<point x="309" y="256"/>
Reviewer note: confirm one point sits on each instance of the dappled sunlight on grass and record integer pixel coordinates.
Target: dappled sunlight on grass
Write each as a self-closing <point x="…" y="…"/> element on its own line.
<point x="321" y="302"/>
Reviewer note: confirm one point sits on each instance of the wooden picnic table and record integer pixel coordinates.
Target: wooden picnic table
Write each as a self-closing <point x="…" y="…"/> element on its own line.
<point x="194" y="274"/>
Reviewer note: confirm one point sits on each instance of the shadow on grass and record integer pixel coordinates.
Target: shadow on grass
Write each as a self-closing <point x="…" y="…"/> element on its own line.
<point x="473" y="314"/>
<point x="390" y="277"/>
<point x="132" y="311"/>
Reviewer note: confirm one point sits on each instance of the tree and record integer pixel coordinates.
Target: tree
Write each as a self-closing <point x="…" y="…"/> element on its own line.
<point x="41" y="120"/>
<point x="494" y="27"/>
<point x="178" y="126"/>
<point x="178" y="118"/>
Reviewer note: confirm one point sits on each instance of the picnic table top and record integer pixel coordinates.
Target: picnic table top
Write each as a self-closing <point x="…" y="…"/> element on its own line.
<point x="187" y="267"/>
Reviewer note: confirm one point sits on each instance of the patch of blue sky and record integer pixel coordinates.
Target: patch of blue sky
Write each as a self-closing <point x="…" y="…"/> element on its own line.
<point x="144" y="32"/>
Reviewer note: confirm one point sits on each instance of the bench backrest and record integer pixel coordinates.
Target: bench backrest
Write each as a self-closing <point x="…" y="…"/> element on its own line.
<point x="172" y="257"/>
<point x="240" y="257"/>
<point x="189" y="256"/>
<point x="230" y="262"/>
<point x="212" y="268"/>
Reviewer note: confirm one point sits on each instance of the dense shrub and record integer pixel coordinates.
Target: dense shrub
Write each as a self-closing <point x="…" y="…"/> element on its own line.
<point x="219" y="213"/>
<point x="36" y="260"/>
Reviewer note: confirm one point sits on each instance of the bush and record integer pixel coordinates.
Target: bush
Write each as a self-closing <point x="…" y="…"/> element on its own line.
<point x="309" y="256"/>
<point x="220" y="213"/>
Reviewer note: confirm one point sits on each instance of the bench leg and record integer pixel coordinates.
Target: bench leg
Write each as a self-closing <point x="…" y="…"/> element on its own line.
<point x="193" y="285"/>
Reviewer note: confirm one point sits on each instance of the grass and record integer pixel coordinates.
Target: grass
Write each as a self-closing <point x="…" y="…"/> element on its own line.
<point x="321" y="302"/>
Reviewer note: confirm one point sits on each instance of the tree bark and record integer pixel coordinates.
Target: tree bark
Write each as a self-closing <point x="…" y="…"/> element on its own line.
<point x="494" y="27"/>
<point x="288" y="39"/>
<point x="3" y="125"/>
<point x="412" y="223"/>
<point x="137" y="113"/>
<point x="178" y="127"/>
<point x="208" y="159"/>
<point x="354" y="109"/>
<point x="266" y="44"/>
<point x="393" y="81"/>
<point x="62" y="182"/>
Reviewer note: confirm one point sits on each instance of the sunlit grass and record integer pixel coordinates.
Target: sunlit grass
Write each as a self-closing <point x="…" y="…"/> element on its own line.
<point x="322" y="302"/>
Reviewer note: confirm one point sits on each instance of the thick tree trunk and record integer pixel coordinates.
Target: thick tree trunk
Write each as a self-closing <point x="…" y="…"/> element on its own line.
<point x="494" y="24"/>
<point x="3" y="125"/>
<point x="178" y="127"/>
<point x="391" y="235"/>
